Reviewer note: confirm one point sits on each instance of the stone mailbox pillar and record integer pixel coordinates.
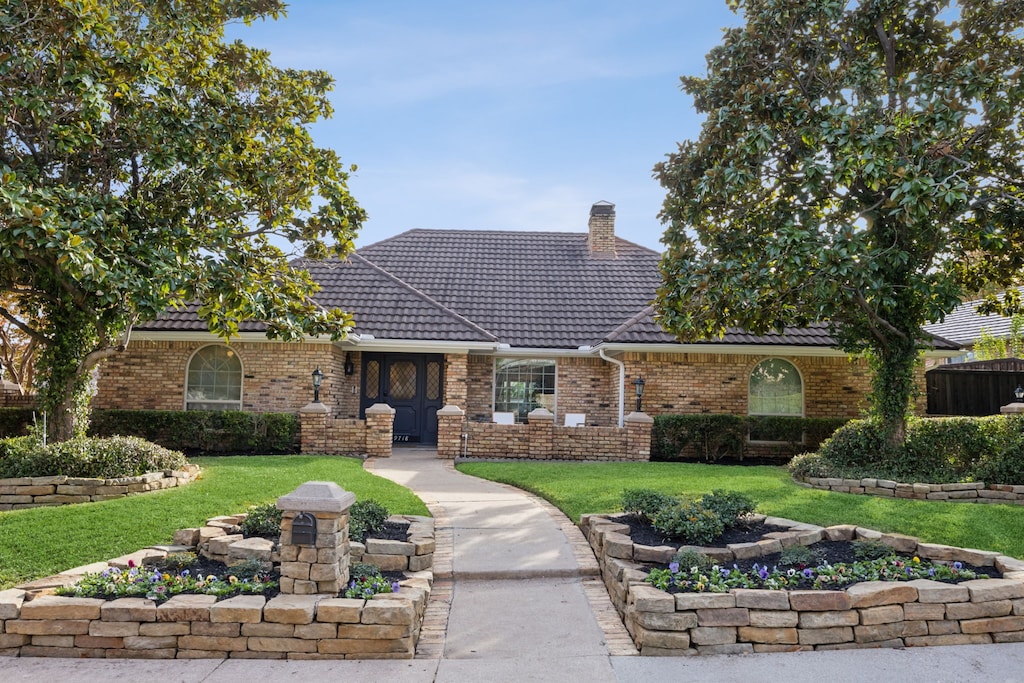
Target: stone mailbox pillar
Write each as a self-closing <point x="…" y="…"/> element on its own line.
<point x="314" y="538"/>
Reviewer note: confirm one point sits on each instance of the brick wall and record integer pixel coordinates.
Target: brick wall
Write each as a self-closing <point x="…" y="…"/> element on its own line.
<point x="480" y="388"/>
<point x="688" y="383"/>
<point x="590" y="386"/>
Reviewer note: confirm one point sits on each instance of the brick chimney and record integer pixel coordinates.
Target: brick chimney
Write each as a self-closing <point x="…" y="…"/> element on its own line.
<point x="602" y="230"/>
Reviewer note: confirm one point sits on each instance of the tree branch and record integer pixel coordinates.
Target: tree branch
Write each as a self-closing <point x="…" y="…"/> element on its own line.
<point x="10" y="317"/>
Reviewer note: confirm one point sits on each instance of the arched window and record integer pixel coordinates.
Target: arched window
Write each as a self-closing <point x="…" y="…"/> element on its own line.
<point x="775" y="388"/>
<point x="214" y="380"/>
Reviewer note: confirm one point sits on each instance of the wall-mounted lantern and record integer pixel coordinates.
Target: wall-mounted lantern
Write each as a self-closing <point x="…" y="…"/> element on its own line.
<point x="1019" y="393"/>
<point x="318" y="378"/>
<point x="638" y="384"/>
<point x="350" y="367"/>
<point x="304" y="529"/>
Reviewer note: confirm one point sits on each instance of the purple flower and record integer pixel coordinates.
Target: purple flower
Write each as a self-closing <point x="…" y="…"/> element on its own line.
<point x="808" y="573"/>
<point x="674" y="567"/>
<point x="725" y="573"/>
<point x="957" y="566"/>
<point x="763" y="573"/>
<point x="931" y="572"/>
<point x="394" y="586"/>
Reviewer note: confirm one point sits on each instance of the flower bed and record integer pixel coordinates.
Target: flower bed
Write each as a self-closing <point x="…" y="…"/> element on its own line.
<point x="868" y="614"/>
<point x="31" y="492"/>
<point x="385" y="626"/>
<point x="966" y="492"/>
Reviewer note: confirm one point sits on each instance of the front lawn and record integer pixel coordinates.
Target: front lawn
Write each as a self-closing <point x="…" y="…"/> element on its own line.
<point x="43" y="541"/>
<point x="579" y="488"/>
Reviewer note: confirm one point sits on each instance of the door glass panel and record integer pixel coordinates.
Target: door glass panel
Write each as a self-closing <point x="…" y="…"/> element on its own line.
<point x="373" y="379"/>
<point x="433" y="381"/>
<point x="402" y="378"/>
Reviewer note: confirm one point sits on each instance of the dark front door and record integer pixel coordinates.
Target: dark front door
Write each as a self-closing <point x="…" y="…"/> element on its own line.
<point x="409" y="383"/>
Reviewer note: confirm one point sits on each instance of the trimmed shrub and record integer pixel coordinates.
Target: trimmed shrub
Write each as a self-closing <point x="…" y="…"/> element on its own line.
<point x="711" y="438"/>
<point x="228" y="432"/>
<point x="366" y="517"/>
<point x="728" y="505"/>
<point x="119" y="456"/>
<point x="15" y="421"/>
<point x="811" y="465"/>
<point x="646" y="502"/>
<point x="263" y="520"/>
<point x="689" y="522"/>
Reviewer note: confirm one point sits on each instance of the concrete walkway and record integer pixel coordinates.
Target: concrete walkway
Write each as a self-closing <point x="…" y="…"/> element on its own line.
<point x="516" y="598"/>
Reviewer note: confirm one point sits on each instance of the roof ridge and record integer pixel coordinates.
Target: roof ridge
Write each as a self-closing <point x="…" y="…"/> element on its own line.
<point x="424" y="296"/>
<point x="502" y="232"/>
<point x="611" y="336"/>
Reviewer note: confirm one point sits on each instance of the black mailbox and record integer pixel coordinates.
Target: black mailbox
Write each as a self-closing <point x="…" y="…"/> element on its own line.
<point x="304" y="529"/>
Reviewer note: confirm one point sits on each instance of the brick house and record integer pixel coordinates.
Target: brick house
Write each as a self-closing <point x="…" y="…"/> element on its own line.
<point x="490" y="322"/>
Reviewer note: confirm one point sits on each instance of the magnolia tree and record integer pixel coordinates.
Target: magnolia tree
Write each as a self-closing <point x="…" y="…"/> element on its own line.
<point x="860" y="164"/>
<point x="146" y="163"/>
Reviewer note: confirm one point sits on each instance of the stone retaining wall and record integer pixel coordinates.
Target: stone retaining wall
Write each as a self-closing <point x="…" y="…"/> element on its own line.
<point x="247" y="626"/>
<point x="31" y="492"/>
<point x="865" y="615"/>
<point x="965" y="492"/>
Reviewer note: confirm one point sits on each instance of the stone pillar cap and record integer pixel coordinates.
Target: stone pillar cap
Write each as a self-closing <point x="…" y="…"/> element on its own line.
<point x="317" y="496"/>
<point x="315" y="408"/>
<point x="541" y="414"/>
<point x="450" y="410"/>
<point x="1012" y="409"/>
<point x="380" y="409"/>
<point x="642" y="418"/>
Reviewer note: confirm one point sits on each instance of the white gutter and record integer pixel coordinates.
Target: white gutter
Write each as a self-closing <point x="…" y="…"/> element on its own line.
<point x="622" y="381"/>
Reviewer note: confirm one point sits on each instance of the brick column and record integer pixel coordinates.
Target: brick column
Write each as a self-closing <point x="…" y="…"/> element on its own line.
<point x="380" y="427"/>
<point x="639" y="427"/>
<point x="316" y="561"/>
<point x="456" y="372"/>
<point x="449" y="431"/>
<point x="313" y="428"/>
<point x="542" y="433"/>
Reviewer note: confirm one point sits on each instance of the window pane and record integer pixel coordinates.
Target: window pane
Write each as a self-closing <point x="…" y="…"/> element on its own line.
<point x="402" y="377"/>
<point x="214" y="380"/>
<point x="372" y="379"/>
<point x="524" y="384"/>
<point x="775" y="389"/>
<point x="433" y="381"/>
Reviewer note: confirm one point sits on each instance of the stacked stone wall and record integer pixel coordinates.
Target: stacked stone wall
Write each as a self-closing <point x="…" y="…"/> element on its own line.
<point x="31" y="492"/>
<point x="865" y="615"/>
<point x="963" y="492"/>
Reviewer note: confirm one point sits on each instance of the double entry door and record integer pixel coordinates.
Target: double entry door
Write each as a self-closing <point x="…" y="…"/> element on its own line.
<point x="410" y="383"/>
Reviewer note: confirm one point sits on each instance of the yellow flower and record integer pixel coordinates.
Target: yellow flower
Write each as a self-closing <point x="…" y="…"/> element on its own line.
<point x="917" y="559"/>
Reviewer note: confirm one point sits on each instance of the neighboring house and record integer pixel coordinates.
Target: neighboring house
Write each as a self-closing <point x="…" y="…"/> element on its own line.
<point x="964" y="325"/>
<point x="490" y="322"/>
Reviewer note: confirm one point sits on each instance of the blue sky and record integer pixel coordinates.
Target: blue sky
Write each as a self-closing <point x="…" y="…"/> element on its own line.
<point x="501" y="115"/>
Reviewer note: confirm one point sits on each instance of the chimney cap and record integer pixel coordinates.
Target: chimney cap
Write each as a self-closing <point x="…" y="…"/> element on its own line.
<point x="602" y="208"/>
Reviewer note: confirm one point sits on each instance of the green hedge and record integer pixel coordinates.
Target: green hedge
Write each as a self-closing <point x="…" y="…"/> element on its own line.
<point x="936" y="451"/>
<point x="710" y="438"/>
<point x="15" y="421"/>
<point x="194" y="432"/>
<point x="119" y="456"/>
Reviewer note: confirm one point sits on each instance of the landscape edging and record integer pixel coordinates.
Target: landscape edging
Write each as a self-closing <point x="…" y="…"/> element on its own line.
<point x="962" y="492"/>
<point x="865" y="615"/>
<point x="31" y="492"/>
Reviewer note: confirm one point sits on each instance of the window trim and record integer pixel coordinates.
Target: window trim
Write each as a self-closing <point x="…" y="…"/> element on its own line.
<point x="494" y="381"/>
<point x="228" y="405"/>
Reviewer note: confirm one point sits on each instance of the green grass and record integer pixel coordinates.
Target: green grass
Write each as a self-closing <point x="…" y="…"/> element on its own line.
<point x="43" y="541"/>
<point x="579" y="488"/>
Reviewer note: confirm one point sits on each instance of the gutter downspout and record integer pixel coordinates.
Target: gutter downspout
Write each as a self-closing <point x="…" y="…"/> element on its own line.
<point x="622" y="381"/>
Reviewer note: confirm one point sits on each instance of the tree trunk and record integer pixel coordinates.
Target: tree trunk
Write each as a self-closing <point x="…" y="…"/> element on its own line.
<point x="894" y="385"/>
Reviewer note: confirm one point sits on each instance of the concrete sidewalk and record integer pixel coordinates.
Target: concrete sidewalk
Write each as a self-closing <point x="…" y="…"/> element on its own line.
<point x="516" y="598"/>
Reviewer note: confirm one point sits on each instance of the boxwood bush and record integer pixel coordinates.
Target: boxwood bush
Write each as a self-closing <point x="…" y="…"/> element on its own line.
<point x="936" y="450"/>
<point x="713" y="437"/>
<point x="119" y="456"/>
<point x="228" y="432"/>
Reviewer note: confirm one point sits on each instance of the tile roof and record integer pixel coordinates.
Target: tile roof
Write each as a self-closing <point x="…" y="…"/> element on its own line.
<point x="525" y="289"/>
<point x="964" y="324"/>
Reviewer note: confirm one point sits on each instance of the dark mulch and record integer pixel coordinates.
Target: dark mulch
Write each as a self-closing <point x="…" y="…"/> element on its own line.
<point x="392" y="531"/>
<point x="833" y="552"/>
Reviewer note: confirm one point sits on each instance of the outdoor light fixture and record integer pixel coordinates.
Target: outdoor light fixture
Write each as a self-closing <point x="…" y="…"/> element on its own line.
<point x="638" y="384"/>
<point x="350" y="367"/>
<point x="1019" y="393"/>
<point x="318" y="378"/>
